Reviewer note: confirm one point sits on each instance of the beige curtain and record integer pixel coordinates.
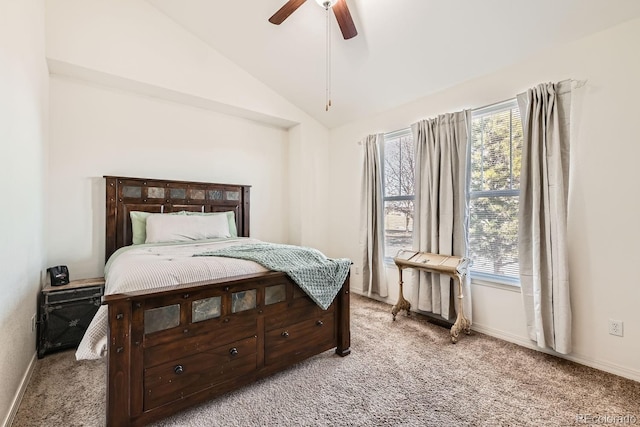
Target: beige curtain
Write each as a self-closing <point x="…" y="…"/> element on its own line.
<point x="440" y="224"/>
<point x="544" y="270"/>
<point x="372" y="224"/>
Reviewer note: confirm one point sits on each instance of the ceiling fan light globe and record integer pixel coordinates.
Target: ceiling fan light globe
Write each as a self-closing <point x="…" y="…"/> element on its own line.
<point x="323" y="3"/>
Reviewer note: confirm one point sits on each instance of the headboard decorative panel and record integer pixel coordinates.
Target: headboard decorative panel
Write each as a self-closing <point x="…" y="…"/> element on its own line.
<point x="163" y="196"/>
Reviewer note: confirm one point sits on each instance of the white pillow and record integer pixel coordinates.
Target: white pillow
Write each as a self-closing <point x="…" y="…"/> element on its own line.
<point x="180" y="228"/>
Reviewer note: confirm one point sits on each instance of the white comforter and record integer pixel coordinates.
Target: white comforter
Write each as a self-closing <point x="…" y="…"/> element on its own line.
<point x="153" y="266"/>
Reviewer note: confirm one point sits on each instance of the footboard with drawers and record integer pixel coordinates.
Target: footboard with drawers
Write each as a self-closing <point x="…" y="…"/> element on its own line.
<point x="179" y="346"/>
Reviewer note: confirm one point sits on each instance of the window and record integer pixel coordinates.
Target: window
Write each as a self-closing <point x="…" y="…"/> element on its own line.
<point x="398" y="171"/>
<point x="494" y="190"/>
<point x="494" y="187"/>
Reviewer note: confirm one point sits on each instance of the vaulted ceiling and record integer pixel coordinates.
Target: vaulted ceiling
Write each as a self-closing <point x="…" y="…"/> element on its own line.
<point x="404" y="50"/>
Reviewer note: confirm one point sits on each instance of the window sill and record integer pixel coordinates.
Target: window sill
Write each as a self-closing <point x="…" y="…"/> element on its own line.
<point x="491" y="283"/>
<point x="497" y="285"/>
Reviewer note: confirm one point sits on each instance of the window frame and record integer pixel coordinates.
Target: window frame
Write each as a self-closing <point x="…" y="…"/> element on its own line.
<point x="481" y="277"/>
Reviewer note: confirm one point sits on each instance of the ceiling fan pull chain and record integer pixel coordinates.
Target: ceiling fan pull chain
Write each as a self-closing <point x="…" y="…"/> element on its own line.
<point x="330" y="57"/>
<point x="345" y="22"/>
<point x="328" y="76"/>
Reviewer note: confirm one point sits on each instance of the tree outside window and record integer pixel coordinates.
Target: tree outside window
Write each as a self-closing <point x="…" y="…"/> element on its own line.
<point x="496" y="158"/>
<point x="398" y="177"/>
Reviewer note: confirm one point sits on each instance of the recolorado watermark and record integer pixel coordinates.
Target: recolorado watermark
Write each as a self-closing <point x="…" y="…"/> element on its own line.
<point x="604" y="419"/>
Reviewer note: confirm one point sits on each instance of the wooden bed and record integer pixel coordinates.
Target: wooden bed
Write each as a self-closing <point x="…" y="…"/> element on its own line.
<point x="155" y="374"/>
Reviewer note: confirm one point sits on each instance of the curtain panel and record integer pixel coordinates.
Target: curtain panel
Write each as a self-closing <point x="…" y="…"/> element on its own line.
<point x="441" y="207"/>
<point x="544" y="183"/>
<point x="372" y="223"/>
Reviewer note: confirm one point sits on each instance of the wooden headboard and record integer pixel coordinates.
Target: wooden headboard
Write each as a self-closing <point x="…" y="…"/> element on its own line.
<point x="162" y="196"/>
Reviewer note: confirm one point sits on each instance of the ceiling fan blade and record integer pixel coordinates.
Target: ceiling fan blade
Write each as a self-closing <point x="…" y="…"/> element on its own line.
<point x="286" y="10"/>
<point x="345" y="21"/>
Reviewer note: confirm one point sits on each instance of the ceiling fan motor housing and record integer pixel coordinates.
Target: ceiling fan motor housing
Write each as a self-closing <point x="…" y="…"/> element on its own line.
<point x="326" y="3"/>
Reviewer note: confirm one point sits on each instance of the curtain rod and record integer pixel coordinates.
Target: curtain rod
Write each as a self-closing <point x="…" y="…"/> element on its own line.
<point x="395" y="133"/>
<point x="576" y="83"/>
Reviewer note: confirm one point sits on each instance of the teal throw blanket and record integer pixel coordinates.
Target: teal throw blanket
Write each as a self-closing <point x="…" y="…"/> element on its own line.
<point x="320" y="277"/>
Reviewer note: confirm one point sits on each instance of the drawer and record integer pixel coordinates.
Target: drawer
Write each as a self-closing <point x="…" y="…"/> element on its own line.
<point x="201" y="337"/>
<point x="187" y="375"/>
<point x="299" y="310"/>
<point x="72" y="295"/>
<point x="300" y="340"/>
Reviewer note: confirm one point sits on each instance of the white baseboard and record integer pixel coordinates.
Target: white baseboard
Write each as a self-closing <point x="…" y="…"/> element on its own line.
<point x="20" y="393"/>
<point x="601" y="365"/>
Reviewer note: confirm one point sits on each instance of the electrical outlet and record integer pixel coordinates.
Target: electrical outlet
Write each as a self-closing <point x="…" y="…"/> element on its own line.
<point x="615" y="327"/>
<point x="33" y="323"/>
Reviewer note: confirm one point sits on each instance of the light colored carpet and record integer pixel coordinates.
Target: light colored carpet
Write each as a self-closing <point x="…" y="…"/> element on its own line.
<point x="399" y="373"/>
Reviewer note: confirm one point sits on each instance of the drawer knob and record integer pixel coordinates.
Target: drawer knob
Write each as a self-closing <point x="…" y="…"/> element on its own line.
<point x="319" y="323"/>
<point x="285" y="334"/>
<point x="178" y="369"/>
<point x="233" y="351"/>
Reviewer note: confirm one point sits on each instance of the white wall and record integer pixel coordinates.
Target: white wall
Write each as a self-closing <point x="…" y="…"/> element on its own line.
<point x="23" y="110"/>
<point x="97" y="131"/>
<point x="603" y="227"/>
<point x="137" y="83"/>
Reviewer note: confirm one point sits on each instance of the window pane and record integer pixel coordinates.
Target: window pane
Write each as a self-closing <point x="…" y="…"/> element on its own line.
<point x="496" y="160"/>
<point x="398" y="170"/>
<point x="493" y="235"/>
<point x="398" y="166"/>
<point x="398" y="226"/>
<point x="496" y="147"/>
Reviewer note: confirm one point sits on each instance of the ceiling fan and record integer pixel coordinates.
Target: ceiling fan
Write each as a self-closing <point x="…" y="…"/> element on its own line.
<point x="340" y="9"/>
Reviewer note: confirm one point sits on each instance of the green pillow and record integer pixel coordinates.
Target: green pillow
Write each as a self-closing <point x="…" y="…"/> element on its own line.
<point x="139" y="225"/>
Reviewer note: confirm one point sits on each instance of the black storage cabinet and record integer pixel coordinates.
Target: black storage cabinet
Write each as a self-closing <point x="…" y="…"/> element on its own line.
<point x="65" y="313"/>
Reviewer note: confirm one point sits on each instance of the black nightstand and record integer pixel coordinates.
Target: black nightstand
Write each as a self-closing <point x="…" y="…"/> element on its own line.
<point x="65" y="313"/>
